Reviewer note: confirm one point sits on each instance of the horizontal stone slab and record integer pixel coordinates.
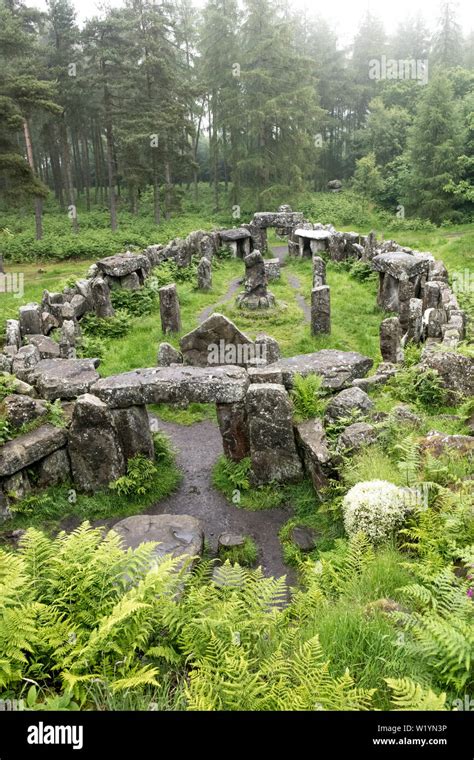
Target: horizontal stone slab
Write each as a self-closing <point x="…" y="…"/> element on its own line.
<point x="178" y="535"/>
<point x="23" y="451"/>
<point x="207" y="385"/>
<point x="337" y="368"/>
<point x="63" y="378"/>
<point x="234" y="234"/>
<point x="313" y="234"/>
<point x="402" y="265"/>
<point x="278" y="218"/>
<point x="123" y="264"/>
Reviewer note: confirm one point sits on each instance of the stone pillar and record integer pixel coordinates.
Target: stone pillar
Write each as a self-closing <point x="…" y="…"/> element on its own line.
<point x="431" y="295"/>
<point x="256" y="295"/>
<point x="415" y="320"/>
<point x="232" y="419"/>
<point x="272" y="442"/>
<point x="30" y="319"/>
<point x="204" y="274"/>
<point x="94" y="445"/>
<point x="100" y="293"/>
<point x="319" y="271"/>
<point x="406" y="291"/>
<point x="133" y="428"/>
<point x="320" y="310"/>
<point x="390" y="340"/>
<point x="169" y="309"/>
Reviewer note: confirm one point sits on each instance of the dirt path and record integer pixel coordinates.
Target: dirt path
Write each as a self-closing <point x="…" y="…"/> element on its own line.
<point x="233" y="287"/>
<point x="197" y="448"/>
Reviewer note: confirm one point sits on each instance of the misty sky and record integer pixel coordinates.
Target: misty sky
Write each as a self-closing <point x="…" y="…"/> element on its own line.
<point x="344" y="15"/>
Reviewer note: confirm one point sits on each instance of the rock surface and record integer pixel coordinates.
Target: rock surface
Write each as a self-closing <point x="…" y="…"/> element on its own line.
<point x="30" y="447"/>
<point x="337" y="368"/>
<point x="178" y="535"/>
<point x="347" y="401"/>
<point x="198" y="346"/>
<point x="312" y="443"/>
<point x="64" y="378"/>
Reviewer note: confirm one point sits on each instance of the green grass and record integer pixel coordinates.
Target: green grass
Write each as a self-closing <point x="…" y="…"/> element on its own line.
<point x="246" y="554"/>
<point x="184" y="416"/>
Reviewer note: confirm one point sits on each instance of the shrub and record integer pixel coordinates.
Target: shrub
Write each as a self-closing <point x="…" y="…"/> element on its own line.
<point x="111" y="327"/>
<point x="418" y="386"/>
<point x="362" y="271"/>
<point x="139" y="477"/>
<point x="137" y="303"/>
<point x="246" y="554"/>
<point x="375" y="507"/>
<point x="306" y="397"/>
<point x="7" y="385"/>
<point x="5" y="430"/>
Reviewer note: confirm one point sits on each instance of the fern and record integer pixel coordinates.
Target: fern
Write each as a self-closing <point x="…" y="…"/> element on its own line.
<point x="409" y="695"/>
<point x="306" y="396"/>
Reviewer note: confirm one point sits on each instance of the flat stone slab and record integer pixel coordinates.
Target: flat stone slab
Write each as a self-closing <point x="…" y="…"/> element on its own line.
<point x="402" y="265"/>
<point x="239" y="233"/>
<point x="63" y="378"/>
<point x="122" y="264"/>
<point x="278" y="218"/>
<point x="23" y="451"/>
<point x="178" y="535"/>
<point x="313" y="234"/>
<point x="221" y="385"/>
<point x="337" y="368"/>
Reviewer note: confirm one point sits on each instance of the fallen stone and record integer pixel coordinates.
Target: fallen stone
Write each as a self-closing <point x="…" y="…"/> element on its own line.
<point x="64" y="378"/>
<point x="168" y="355"/>
<point x="25" y="361"/>
<point x="179" y="535"/>
<point x="455" y="370"/>
<point x="346" y="402"/>
<point x="47" y="347"/>
<point x="356" y="436"/>
<point x="303" y="537"/>
<point x="20" y="410"/>
<point x="30" y="447"/>
<point x="337" y="368"/>
<point x="436" y="444"/>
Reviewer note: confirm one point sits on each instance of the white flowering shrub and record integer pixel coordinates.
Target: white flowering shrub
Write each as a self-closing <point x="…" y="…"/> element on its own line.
<point x="375" y="507"/>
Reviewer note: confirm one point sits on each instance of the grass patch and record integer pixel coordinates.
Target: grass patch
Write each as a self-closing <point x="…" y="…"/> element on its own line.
<point x="188" y="415"/>
<point x="246" y="554"/>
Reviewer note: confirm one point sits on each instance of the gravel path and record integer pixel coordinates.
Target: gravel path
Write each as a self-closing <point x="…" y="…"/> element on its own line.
<point x="233" y="288"/>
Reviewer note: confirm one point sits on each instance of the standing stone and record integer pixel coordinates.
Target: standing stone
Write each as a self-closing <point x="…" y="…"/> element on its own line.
<point x="431" y="295"/>
<point x="69" y="332"/>
<point x="168" y="355"/>
<point x="415" y="320"/>
<point x="130" y="281"/>
<point x="100" y="293"/>
<point x="94" y="445"/>
<point x="53" y="469"/>
<point x="134" y="431"/>
<point x="434" y="320"/>
<point x="272" y="442"/>
<point x="337" y="247"/>
<point x="390" y="340"/>
<point x="204" y="274"/>
<point x="30" y="319"/>
<point x="169" y="309"/>
<point x="13" y="334"/>
<point x="320" y="310"/>
<point x="232" y="419"/>
<point x="319" y="271"/>
<point x="256" y="295"/>
<point x="315" y="453"/>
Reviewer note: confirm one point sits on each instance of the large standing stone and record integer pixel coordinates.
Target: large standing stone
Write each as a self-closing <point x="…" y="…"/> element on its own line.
<point x="215" y="341"/>
<point x="321" y="310"/>
<point x="319" y="271"/>
<point x="390" y="340"/>
<point x="100" y="293"/>
<point x="232" y="419"/>
<point x="30" y="319"/>
<point x="204" y="274"/>
<point x="311" y="440"/>
<point x="272" y="442"/>
<point x="169" y="309"/>
<point x="134" y="431"/>
<point x="94" y="445"/>
<point x="256" y="295"/>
